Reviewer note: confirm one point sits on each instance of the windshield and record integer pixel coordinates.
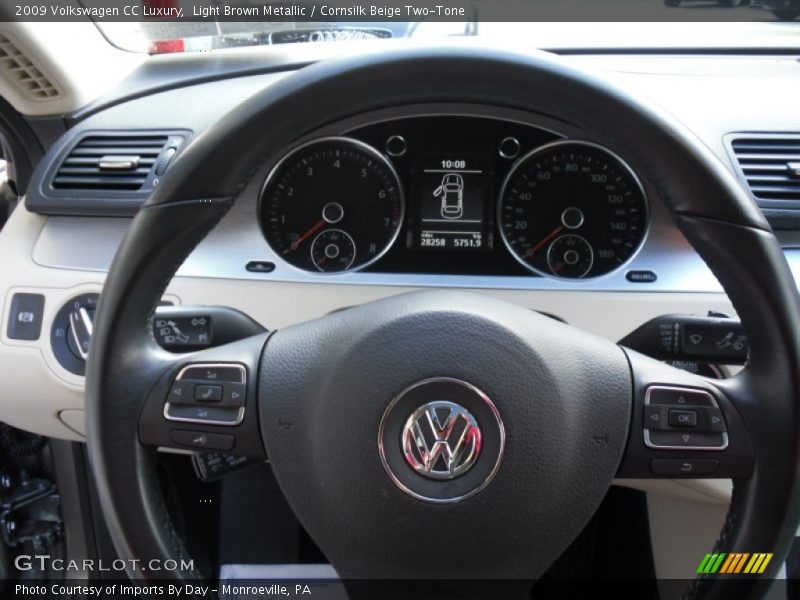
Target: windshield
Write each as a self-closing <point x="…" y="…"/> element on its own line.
<point x="210" y="25"/>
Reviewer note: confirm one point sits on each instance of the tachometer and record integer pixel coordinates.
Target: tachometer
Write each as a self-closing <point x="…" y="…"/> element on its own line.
<point x="572" y="210"/>
<point x="332" y="205"/>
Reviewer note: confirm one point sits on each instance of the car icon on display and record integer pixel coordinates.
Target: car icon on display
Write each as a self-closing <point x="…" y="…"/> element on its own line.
<point x="452" y="192"/>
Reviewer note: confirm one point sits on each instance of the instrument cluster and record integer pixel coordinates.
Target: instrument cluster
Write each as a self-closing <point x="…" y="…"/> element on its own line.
<point x="454" y="194"/>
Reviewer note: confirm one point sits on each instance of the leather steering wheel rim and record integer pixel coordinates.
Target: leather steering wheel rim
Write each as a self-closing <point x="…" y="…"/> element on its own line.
<point x="710" y="208"/>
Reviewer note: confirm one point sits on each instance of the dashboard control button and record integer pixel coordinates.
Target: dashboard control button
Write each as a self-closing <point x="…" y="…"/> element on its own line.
<point x="683" y="466"/>
<point x="206" y="415"/>
<point x="686" y="440"/>
<point x="641" y="276"/>
<point x="70" y="347"/>
<point x="163" y="161"/>
<point x="396" y="146"/>
<point x="682" y="418"/>
<point x="509" y="148"/>
<point x="25" y="317"/>
<point x="81" y="326"/>
<point x="180" y="393"/>
<point x="714" y="420"/>
<point x="208" y="393"/>
<point x="234" y="394"/>
<point x="678" y="397"/>
<point x="653" y="417"/>
<point x="694" y="420"/>
<point x="213" y="373"/>
<point x="260" y="266"/>
<point x="202" y="440"/>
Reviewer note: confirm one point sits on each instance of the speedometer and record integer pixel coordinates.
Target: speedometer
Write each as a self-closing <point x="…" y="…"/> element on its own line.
<point x="335" y="204"/>
<point x="572" y="210"/>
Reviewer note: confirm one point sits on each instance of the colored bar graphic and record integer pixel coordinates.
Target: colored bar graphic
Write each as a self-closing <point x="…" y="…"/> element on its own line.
<point x="731" y="560"/>
<point x="740" y="562"/>
<point x="734" y="563"/>
<point x="767" y="558"/>
<point x="755" y="562"/>
<point x="704" y="564"/>
<point x="717" y="563"/>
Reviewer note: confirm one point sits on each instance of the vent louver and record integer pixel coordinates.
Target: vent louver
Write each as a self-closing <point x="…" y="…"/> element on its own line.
<point x="770" y="164"/>
<point x="101" y="162"/>
<point x="24" y="73"/>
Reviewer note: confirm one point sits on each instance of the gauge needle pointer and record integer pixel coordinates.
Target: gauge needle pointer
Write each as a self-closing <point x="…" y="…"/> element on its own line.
<point x="549" y="237"/>
<point x="319" y="225"/>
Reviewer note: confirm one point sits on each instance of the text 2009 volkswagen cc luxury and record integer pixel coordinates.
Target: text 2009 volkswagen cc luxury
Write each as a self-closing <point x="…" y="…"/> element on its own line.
<point x="510" y="313"/>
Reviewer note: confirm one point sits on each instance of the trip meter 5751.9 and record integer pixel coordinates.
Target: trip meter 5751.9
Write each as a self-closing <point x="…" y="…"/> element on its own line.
<point x="572" y="210"/>
<point x="332" y="205"/>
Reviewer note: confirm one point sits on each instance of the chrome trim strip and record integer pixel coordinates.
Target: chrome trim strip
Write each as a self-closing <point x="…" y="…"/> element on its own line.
<point x="650" y="444"/>
<point x="237" y="240"/>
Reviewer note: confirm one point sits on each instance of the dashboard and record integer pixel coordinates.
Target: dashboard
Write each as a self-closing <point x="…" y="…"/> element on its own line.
<point x="454" y="194"/>
<point x="445" y="201"/>
<point x="652" y="257"/>
<point x="484" y="198"/>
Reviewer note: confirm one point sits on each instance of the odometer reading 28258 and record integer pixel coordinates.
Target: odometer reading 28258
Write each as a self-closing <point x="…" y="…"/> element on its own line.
<point x="572" y="210"/>
<point x="335" y="204"/>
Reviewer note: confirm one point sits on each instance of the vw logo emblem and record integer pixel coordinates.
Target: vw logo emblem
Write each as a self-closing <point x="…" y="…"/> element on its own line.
<point x="441" y="450"/>
<point x="441" y="440"/>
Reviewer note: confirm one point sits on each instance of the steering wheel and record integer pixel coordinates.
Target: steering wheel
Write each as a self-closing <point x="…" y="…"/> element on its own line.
<point x="545" y="415"/>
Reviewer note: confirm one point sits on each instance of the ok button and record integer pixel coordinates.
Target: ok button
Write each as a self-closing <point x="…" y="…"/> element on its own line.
<point x="683" y="418"/>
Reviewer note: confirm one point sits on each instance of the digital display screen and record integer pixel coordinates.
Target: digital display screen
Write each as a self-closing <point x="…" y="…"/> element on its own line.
<point x="452" y="199"/>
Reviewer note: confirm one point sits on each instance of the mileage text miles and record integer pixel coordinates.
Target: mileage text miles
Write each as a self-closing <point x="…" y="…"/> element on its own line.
<point x="451" y="239"/>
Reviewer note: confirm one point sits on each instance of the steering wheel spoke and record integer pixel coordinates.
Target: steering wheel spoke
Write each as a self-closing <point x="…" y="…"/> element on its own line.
<point x="683" y="426"/>
<point x="207" y="401"/>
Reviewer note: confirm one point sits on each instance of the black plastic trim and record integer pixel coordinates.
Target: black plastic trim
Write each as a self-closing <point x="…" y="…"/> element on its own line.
<point x="736" y="459"/>
<point x="44" y="199"/>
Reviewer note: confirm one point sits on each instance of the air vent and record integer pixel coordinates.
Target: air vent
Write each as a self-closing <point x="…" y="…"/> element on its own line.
<point x="24" y="73"/>
<point x="100" y="162"/>
<point x="770" y="164"/>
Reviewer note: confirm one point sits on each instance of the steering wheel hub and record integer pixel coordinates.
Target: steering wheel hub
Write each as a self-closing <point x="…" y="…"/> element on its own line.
<point x="512" y="424"/>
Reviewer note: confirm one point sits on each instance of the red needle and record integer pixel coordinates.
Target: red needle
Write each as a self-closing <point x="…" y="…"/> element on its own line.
<point x="319" y="225"/>
<point x="549" y="237"/>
